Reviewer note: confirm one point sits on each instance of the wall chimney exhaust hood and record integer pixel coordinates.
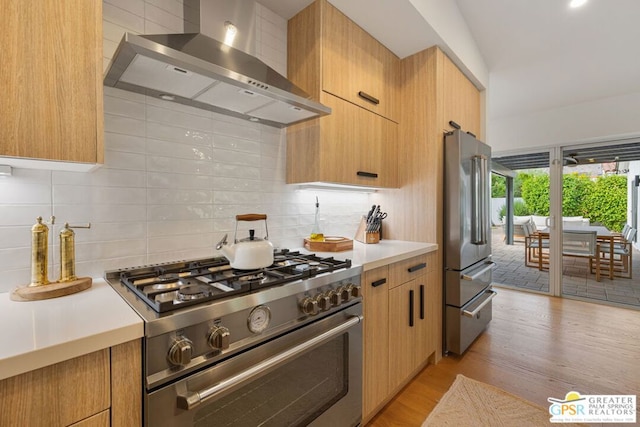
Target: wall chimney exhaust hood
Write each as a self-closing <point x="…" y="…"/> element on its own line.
<point x="198" y="70"/>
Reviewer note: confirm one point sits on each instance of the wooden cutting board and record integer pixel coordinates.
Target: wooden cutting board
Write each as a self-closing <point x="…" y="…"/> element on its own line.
<point x="330" y="244"/>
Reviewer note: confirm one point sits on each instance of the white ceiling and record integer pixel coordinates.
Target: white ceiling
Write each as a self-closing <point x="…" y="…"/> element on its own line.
<point x="540" y="54"/>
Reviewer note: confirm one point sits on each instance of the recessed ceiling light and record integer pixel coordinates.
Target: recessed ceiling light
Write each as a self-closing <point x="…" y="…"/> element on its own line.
<point x="577" y="3"/>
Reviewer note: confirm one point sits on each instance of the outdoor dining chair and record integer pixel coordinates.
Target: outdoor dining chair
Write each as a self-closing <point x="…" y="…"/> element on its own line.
<point x="622" y="256"/>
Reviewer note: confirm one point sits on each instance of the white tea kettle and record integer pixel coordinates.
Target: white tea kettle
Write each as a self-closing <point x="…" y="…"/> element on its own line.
<point x="250" y="253"/>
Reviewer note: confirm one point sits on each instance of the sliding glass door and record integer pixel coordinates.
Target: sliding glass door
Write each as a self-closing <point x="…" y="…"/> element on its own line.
<point x="565" y="222"/>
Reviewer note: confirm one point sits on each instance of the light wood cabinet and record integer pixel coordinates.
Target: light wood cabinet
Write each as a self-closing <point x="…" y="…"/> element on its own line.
<point x="98" y="389"/>
<point x="375" y="296"/>
<point x="355" y="66"/>
<point x="333" y="60"/>
<point x="351" y="146"/>
<point x="51" y="78"/>
<point x="461" y="99"/>
<point x="400" y="327"/>
<point x="98" y="420"/>
<point x="412" y="319"/>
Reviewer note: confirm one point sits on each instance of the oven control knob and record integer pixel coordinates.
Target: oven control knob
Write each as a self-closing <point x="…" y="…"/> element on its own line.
<point x="324" y="302"/>
<point x="309" y="306"/>
<point x="180" y="352"/>
<point x="334" y="296"/>
<point x="355" y="291"/>
<point x="218" y="338"/>
<point x="345" y="292"/>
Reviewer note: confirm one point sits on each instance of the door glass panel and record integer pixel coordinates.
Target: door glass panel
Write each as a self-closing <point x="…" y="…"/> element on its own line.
<point x="600" y="203"/>
<point x="522" y="253"/>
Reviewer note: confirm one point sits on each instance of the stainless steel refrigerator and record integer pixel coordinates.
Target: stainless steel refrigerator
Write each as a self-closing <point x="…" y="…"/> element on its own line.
<point x="467" y="240"/>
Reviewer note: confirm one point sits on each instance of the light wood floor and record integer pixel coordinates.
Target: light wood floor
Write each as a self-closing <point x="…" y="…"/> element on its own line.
<point x="535" y="347"/>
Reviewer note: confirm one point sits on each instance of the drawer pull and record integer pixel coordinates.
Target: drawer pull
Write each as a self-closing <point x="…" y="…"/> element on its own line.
<point x="368" y="97"/>
<point x="378" y="283"/>
<point x="411" y="308"/>
<point x="421" y="302"/>
<point x="417" y="267"/>
<point x="454" y="124"/>
<point x="367" y="174"/>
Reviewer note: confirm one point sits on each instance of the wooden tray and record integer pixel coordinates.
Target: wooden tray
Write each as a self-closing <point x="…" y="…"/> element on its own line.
<point x="330" y="244"/>
<point x="52" y="290"/>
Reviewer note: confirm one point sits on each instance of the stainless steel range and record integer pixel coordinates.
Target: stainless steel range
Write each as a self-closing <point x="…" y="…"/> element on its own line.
<point x="278" y="346"/>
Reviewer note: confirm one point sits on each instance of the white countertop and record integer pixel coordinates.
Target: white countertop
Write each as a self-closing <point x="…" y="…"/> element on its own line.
<point x="41" y="333"/>
<point x="375" y="255"/>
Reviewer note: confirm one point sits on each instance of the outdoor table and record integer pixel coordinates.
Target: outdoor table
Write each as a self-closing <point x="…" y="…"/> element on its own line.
<point x="603" y="233"/>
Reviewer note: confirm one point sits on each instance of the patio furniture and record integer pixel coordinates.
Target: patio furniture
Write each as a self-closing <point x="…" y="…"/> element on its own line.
<point x="618" y="256"/>
<point x="534" y="247"/>
<point x="581" y="242"/>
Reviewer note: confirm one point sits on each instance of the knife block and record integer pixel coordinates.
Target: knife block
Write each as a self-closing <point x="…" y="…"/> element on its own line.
<point x="366" y="237"/>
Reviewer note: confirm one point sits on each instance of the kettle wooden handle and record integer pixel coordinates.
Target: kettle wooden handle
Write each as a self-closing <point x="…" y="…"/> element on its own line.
<point x="251" y="217"/>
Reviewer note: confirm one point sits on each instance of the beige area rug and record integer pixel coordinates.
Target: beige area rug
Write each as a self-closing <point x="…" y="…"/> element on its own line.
<point x="473" y="403"/>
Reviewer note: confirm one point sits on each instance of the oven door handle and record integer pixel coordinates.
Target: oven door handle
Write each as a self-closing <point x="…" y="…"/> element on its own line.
<point x="191" y="399"/>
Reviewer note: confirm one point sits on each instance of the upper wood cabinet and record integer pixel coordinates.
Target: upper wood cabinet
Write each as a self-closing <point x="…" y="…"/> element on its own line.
<point x="355" y="66"/>
<point x="51" y="77"/>
<point x="334" y="60"/>
<point x="461" y="99"/>
<point x="350" y="146"/>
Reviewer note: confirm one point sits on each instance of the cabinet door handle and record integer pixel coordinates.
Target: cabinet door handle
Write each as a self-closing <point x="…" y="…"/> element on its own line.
<point x="367" y="174"/>
<point x="454" y="124"/>
<point x="417" y="267"/>
<point x="368" y="97"/>
<point x="378" y="283"/>
<point x="411" y="308"/>
<point x="421" y="302"/>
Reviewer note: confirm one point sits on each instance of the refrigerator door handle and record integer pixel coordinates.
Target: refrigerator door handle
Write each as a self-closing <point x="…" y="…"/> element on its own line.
<point x="479" y="199"/>
<point x="471" y="277"/>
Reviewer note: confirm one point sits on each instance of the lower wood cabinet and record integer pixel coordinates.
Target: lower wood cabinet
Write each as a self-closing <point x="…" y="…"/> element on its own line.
<point x="98" y="389"/>
<point x="400" y="327"/>
<point x="375" y="297"/>
<point x="410" y="328"/>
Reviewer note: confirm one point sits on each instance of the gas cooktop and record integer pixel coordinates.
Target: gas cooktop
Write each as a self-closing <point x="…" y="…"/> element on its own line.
<point x="172" y="286"/>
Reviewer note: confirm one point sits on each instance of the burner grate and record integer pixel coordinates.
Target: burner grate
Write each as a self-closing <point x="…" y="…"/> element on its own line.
<point x="169" y="287"/>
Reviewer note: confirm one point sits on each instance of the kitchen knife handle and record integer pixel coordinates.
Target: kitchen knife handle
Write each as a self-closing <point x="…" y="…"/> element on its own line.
<point x="379" y="283"/>
<point x="368" y="97"/>
<point x="367" y="174"/>
<point x="411" y="308"/>
<point x="417" y="267"/>
<point x="421" y="302"/>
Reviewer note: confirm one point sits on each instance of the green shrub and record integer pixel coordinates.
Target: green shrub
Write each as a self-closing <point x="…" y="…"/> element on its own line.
<point x="535" y="192"/>
<point x="519" y="209"/>
<point x="606" y="203"/>
<point x="575" y="189"/>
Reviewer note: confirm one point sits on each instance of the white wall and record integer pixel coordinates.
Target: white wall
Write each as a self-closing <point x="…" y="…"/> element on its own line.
<point x="174" y="176"/>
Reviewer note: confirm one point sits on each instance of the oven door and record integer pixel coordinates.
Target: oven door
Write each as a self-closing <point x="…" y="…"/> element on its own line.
<point x="310" y="376"/>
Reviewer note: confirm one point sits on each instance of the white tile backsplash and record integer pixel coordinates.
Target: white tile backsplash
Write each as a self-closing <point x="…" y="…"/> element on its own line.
<point x="174" y="176"/>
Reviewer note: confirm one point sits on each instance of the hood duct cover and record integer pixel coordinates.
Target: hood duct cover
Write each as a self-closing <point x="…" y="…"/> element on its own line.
<point x="197" y="70"/>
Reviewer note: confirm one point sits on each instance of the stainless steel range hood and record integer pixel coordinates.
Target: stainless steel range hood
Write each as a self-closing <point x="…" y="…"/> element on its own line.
<point x="198" y="70"/>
